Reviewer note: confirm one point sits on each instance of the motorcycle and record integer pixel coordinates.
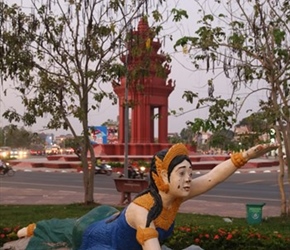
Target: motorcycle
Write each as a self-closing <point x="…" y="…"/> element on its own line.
<point x="7" y="170"/>
<point x="103" y="169"/>
<point x="134" y="173"/>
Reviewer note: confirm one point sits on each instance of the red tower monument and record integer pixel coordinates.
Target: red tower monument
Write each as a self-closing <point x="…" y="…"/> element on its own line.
<point x="148" y="88"/>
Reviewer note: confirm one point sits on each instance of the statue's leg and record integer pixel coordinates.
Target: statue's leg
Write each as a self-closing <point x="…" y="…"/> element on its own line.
<point x="97" y="214"/>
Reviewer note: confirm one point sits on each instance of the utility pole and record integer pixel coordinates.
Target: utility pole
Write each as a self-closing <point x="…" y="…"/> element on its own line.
<point x="126" y="116"/>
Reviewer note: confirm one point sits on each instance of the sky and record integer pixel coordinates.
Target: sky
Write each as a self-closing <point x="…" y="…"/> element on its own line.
<point x="182" y="72"/>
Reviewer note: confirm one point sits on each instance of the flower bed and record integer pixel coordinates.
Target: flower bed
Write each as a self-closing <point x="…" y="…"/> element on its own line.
<point x="8" y="234"/>
<point x="221" y="239"/>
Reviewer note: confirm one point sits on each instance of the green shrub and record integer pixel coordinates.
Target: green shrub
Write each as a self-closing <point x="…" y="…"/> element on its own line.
<point x="116" y="164"/>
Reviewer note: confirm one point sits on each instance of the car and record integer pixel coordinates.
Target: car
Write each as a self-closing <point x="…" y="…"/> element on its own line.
<point x="69" y="151"/>
<point x="52" y="150"/>
<point x="22" y="152"/>
<point x="36" y="152"/>
<point x="5" y="152"/>
<point x="14" y="153"/>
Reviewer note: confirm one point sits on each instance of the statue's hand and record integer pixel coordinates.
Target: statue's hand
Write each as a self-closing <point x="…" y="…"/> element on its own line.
<point x="259" y="150"/>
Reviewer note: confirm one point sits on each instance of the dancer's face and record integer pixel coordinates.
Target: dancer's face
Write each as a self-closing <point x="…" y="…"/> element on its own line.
<point x="180" y="179"/>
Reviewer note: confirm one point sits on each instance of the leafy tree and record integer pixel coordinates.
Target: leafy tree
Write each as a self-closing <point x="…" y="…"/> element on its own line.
<point x="187" y="134"/>
<point x="60" y="54"/>
<point x="257" y="122"/>
<point x="175" y="138"/>
<point x="222" y="139"/>
<point x="259" y="125"/>
<point x="247" y="41"/>
<point x="110" y="122"/>
<point x="15" y="137"/>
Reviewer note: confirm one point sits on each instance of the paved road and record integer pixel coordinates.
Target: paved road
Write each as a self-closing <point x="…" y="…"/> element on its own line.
<point x="16" y="194"/>
<point x="240" y="188"/>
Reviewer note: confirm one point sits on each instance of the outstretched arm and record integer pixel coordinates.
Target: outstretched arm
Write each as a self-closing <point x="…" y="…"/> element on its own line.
<point x="225" y="169"/>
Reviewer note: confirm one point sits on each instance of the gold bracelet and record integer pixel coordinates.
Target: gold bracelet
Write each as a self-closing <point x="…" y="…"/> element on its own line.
<point x="144" y="234"/>
<point x="30" y="229"/>
<point x="238" y="160"/>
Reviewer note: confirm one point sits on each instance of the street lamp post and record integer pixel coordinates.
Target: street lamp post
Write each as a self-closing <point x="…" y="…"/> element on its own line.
<point x="129" y="31"/>
<point x="126" y="115"/>
<point x="126" y="146"/>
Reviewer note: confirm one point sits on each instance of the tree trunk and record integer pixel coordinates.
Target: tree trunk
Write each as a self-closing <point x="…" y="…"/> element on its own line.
<point x="288" y="201"/>
<point x="90" y="197"/>
<point x="287" y="149"/>
<point x="282" y="190"/>
<point x="286" y="140"/>
<point x="88" y="180"/>
<point x="281" y="174"/>
<point x="88" y="157"/>
<point x="88" y="171"/>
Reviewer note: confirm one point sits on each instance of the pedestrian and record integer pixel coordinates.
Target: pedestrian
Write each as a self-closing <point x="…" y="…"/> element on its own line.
<point x="2" y="165"/>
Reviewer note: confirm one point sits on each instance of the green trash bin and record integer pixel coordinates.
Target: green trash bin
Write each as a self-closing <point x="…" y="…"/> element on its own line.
<point x="254" y="213"/>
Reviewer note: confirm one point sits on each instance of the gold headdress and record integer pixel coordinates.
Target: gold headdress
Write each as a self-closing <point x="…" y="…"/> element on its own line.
<point x="176" y="149"/>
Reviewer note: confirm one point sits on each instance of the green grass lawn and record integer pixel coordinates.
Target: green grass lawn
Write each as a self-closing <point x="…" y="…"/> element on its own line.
<point x="22" y="215"/>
